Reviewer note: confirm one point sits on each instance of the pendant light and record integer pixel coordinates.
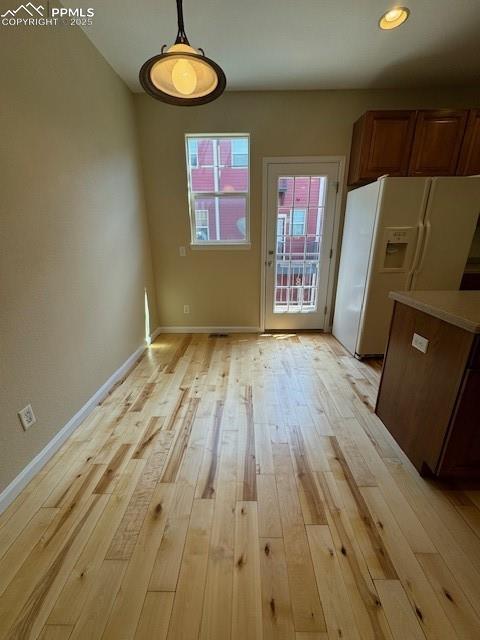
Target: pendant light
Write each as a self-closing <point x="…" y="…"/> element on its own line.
<point x="182" y="75"/>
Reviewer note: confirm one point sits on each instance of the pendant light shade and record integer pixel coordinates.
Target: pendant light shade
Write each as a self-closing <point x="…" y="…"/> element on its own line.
<point x="182" y="75"/>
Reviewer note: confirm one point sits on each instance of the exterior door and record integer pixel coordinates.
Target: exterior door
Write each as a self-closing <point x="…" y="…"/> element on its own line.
<point x="299" y="232"/>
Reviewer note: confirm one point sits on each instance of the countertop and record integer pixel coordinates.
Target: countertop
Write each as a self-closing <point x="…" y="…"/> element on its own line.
<point x="460" y="308"/>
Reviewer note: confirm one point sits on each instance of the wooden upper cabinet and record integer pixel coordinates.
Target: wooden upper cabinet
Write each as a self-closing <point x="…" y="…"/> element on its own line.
<point x="469" y="163"/>
<point x="437" y="142"/>
<point x="381" y="144"/>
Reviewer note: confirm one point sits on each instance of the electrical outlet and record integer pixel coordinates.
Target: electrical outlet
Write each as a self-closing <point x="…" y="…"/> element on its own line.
<point x="186" y="308"/>
<point x="182" y="251"/>
<point x="420" y="343"/>
<point x="27" y="417"/>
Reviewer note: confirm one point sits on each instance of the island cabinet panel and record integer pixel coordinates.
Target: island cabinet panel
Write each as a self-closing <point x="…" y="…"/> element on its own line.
<point x="381" y="144"/>
<point x="437" y="142"/>
<point x="469" y="163"/>
<point x="462" y="448"/>
<point x="419" y="392"/>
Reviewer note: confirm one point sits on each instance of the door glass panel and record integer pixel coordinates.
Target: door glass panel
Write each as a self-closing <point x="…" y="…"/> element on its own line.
<point x="299" y="225"/>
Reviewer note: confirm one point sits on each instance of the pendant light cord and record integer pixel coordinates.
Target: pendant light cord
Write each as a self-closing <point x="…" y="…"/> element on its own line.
<point x="181" y="35"/>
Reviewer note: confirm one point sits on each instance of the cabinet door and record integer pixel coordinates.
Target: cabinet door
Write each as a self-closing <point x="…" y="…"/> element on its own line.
<point x="437" y="142"/>
<point x="469" y="163"/>
<point x="381" y="145"/>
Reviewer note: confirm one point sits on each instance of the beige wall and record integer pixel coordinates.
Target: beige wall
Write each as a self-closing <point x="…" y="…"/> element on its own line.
<point x="223" y="287"/>
<point x="74" y="256"/>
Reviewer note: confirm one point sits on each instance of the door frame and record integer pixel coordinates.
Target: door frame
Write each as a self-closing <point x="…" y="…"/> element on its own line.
<point x="340" y="160"/>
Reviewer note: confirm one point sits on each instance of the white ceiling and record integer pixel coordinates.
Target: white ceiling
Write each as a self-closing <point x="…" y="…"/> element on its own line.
<point x="299" y="44"/>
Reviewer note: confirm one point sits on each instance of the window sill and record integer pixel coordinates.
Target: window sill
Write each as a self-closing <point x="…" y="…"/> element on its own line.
<point x="219" y="246"/>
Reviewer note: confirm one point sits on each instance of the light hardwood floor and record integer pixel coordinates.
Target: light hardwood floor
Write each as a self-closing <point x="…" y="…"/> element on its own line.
<point x="239" y="488"/>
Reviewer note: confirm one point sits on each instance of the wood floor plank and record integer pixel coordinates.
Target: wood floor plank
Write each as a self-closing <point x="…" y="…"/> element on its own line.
<point x="126" y="535"/>
<point x="276" y="609"/>
<point x="249" y="467"/>
<point x="100" y="599"/>
<point x="447" y="532"/>
<point x="179" y="353"/>
<point x="212" y="454"/>
<point x="169" y="555"/>
<point x="311" y="497"/>
<point x="14" y="525"/>
<point x="127" y="607"/>
<point x="155" y="616"/>
<point x="187" y="606"/>
<point x="239" y="488"/>
<point x="181" y="443"/>
<point x="31" y="618"/>
<point x="362" y="595"/>
<point x="338" y="613"/>
<point x="145" y="394"/>
<point x="400" y="615"/>
<point x="407" y="519"/>
<point x="217" y="607"/>
<point x="23" y="545"/>
<point x="119" y="461"/>
<point x="306" y="606"/>
<point x="454" y="602"/>
<point x="430" y="614"/>
<point x="54" y="543"/>
<point x="269" y="523"/>
<point x="56" y="632"/>
<point x="247" y="602"/>
<point x="382" y="560"/>
<point x="84" y="575"/>
<point x="152" y="431"/>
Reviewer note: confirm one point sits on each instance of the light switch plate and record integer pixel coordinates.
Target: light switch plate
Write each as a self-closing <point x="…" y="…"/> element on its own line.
<point x="27" y="417"/>
<point x="420" y="343"/>
<point x="182" y="251"/>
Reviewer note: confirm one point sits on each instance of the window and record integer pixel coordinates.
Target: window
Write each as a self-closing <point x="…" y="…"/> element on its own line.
<point x="218" y="189"/>
<point x="240" y="152"/>
<point x="298" y="222"/>
<point x="193" y="153"/>
<point x="201" y="224"/>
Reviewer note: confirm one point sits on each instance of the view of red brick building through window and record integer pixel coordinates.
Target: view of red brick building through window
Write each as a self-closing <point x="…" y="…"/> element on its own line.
<point x="300" y="212"/>
<point x="218" y="180"/>
<point x="218" y="174"/>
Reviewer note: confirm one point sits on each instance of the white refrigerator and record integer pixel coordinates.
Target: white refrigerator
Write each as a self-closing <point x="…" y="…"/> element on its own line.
<point x="400" y="234"/>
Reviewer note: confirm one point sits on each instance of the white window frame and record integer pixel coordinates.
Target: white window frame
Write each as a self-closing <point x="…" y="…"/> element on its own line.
<point x="214" y="243"/>
<point x="283" y="219"/>
<point x="203" y="226"/>
<point x="304" y="211"/>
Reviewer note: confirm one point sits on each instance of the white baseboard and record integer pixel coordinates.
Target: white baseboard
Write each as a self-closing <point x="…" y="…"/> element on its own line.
<point x="155" y="334"/>
<point x="206" y="330"/>
<point x="13" y="489"/>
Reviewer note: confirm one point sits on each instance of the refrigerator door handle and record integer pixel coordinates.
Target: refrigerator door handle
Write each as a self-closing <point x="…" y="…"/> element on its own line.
<point x="418" y="248"/>
<point x="428" y="231"/>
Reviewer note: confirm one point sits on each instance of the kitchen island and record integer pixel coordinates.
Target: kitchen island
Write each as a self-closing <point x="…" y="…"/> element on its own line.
<point x="429" y="395"/>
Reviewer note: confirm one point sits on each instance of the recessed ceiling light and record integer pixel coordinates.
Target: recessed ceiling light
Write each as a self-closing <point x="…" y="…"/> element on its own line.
<point x="394" y="18"/>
